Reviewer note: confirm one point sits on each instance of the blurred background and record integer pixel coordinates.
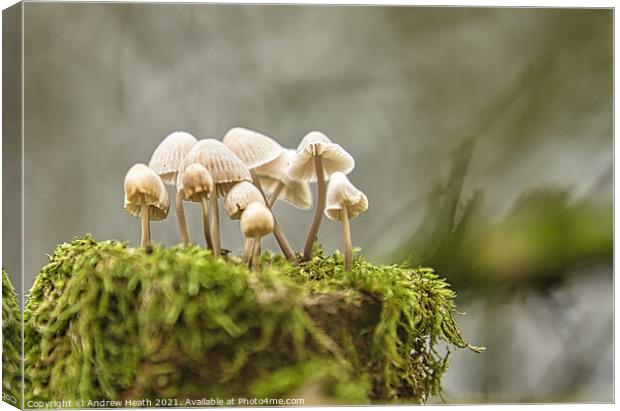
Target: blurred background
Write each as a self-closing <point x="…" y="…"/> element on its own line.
<point x="482" y="137"/>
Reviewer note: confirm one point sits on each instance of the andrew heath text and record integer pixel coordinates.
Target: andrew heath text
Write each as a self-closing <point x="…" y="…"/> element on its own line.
<point x="163" y="402"/>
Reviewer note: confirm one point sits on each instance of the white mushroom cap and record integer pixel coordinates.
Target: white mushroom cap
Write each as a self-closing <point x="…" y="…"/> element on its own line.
<point x="239" y="197"/>
<point x="278" y="168"/>
<point x="341" y="194"/>
<point x="224" y="166"/>
<point x="167" y="157"/>
<point x="252" y="147"/>
<point x="294" y="192"/>
<point x="257" y="220"/>
<point x="144" y="187"/>
<point x="315" y="143"/>
<point x="195" y="182"/>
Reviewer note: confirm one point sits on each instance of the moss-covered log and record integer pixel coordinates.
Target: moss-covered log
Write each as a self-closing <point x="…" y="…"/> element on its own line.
<point x="106" y="321"/>
<point x="11" y="344"/>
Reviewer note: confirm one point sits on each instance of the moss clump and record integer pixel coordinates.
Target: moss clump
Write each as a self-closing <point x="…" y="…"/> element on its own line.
<point x="105" y="321"/>
<point x="401" y="312"/>
<point x="11" y="344"/>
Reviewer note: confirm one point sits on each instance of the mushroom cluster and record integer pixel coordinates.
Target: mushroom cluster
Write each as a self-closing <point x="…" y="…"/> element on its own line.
<point x="250" y="171"/>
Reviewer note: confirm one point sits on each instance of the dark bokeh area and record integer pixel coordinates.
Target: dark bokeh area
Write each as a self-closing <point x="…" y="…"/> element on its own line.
<point x="482" y="137"/>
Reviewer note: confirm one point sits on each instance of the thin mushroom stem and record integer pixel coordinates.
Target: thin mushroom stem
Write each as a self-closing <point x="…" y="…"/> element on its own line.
<point x="285" y="246"/>
<point x="215" y="225"/>
<point x="178" y="204"/>
<point x="320" y="207"/>
<point x="205" y="221"/>
<point x="248" y="246"/>
<point x="346" y="235"/>
<point x="255" y="256"/>
<point x="145" y="214"/>
<point x="274" y="196"/>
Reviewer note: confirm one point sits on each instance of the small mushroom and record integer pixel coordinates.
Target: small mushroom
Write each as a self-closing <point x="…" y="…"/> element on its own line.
<point x="239" y="197"/>
<point x="145" y="197"/>
<point x="276" y="181"/>
<point x="196" y="185"/>
<point x="226" y="169"/>
<point x="235" y="203"/>
<point x="316" y="159"/>
<point x="344" y="203"/>
<point x="256" y="222"/>
<point x="256" y="150"/>
<point x="166" y="162"/>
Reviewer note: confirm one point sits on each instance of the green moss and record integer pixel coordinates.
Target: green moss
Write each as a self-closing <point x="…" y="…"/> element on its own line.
<point x="11" y="344"/>
<point x="106" y="321"/>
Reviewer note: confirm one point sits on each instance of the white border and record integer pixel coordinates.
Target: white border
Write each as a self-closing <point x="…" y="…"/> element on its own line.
<point x="479" y="3"/>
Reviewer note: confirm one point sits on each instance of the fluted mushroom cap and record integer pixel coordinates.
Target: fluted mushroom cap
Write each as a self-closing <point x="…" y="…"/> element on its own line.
<point x="341" y="194"/>
<point x="167" y="157"/>
<point x="315" y="143"/>
<point x="239" y="197"/>
<point x="252" y="147"/>
<point x="144" y="187"/>
<point x="195" y="182"/>
<point x="257" y="220"/>
<point x="294" y="192"/>
<point x="224" y="166"/>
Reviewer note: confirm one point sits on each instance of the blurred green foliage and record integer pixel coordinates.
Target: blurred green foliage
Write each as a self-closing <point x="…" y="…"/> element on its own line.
<point x="535" y="245"/>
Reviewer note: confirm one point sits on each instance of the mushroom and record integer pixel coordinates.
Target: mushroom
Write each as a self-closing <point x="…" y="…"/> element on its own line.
<point x="226" y="169"/>
<point x="196" y="185"/>
<point x="236" y="201"/>
<point x="344" y="203"/>
<point x="315" y="160"/>
<point x="252" y="147"/>
<point x="166" y="162"/>
<point x="256" y="150"/>
<point x="256" y="221"/>
<point x="275" y="179"/>
<point x="145" y="197"/>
